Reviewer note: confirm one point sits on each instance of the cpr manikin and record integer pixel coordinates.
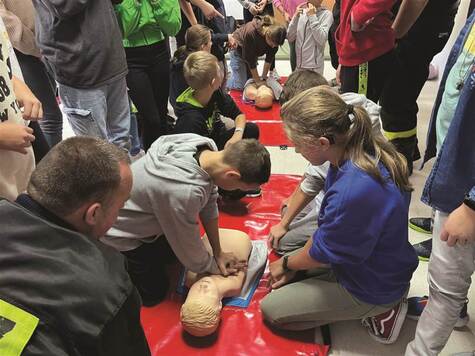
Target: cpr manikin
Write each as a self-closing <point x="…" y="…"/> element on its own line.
<point x="201" y="312"/>
<point x="262" y="96"/>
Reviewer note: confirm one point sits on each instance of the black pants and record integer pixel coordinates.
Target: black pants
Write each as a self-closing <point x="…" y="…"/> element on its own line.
<point x="367" y="78"/>
<point x="414" y="53"/>
<point x="43" y="86"/>
<point x="146" y="266"/>
<point x="250" y="131"/>
<point x="148" y="81"/>
<point x="40" y="145"/>
<point x="331" y="34"/>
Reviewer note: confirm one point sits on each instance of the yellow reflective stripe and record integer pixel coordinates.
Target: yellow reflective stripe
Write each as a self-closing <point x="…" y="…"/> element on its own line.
<point x="400" y="134"/>
<point x="16" y="328"/>
<point x="363" y="78"/>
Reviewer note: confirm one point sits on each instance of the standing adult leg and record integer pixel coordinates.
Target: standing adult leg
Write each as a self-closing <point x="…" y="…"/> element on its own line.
<point x="141" y="91"/>
<point x="118" y="114"/>
<point x="450" y="271"/>
<point x="38" y="80"/>
<point x="414" y="52"/>
<point x="159" y="74"/>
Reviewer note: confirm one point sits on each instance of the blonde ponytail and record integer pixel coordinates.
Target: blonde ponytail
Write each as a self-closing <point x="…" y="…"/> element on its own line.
<point x="321" y="112"/>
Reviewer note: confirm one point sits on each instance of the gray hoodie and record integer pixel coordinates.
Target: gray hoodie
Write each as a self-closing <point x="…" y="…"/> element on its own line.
<point x="310" y="34"/>
<point x="170" y="190"/>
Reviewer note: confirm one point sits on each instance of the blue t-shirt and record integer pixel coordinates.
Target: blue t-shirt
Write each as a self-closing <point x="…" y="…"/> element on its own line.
<point x="363" y="234"/>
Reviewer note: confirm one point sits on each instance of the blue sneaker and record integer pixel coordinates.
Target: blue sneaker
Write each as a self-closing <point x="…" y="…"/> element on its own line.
<point x="416" y="306"/>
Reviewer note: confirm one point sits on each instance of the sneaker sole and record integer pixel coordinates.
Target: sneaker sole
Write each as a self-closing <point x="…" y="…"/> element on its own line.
<point x="396" y="329"/>
<point x="419" y="229"/>
<point x="423" y="259"/>
<point x="253" y="195"/>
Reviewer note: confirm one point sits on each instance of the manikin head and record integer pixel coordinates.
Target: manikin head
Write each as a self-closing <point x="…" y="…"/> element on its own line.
<point x="202" y="72"/>
<point x="85" y="181"/>
<point x="201" y="312"/>
<point x="264" y="98"/>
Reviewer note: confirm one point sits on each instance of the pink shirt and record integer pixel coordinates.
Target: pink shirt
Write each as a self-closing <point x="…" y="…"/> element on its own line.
<point x="289" y="5"/>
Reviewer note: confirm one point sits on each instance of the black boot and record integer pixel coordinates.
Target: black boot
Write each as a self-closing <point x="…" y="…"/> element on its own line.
<point x="407" y="147"/>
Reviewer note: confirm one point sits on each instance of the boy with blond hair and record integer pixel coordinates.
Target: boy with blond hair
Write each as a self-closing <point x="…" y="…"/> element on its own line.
<point x="199" y="108"/>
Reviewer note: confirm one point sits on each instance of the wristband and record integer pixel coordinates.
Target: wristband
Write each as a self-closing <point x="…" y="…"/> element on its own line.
<point x="469" y="202"/>
<point x="238" y="129"/>
<point x="285" y="264"/>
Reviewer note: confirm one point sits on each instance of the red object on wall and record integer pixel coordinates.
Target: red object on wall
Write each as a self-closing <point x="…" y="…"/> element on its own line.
<point x="242" y="331"/>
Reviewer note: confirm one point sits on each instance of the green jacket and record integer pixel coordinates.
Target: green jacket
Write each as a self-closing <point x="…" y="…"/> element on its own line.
<point x="145" y="22"/>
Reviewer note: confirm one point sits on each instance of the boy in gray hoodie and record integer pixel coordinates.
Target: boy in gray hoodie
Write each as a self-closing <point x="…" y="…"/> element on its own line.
<point x="300" y="210"/>
<point x="174" y="184"/>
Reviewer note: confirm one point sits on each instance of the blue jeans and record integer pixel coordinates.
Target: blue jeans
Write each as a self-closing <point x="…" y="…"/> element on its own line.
<point x="135" y="144"/>
<point x="100" y="112"/>
<point x="238" y="71"/>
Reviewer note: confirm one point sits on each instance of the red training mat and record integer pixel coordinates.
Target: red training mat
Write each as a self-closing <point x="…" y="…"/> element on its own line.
<point x="242" y="331"/>
<point x="269" y="121"/>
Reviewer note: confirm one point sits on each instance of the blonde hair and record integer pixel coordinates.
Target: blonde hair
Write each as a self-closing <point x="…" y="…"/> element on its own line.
<point x="199" y="319"/>
<point x="268" y="27"/>
<point x="200" y="69"/>
<point x="320" y="111"/>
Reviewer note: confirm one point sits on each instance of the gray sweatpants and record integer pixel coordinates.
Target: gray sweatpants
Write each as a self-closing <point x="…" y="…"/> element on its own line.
<point x="450" y="271"/>
<point x="301" y="229"/>
<point x="315" y="301"/>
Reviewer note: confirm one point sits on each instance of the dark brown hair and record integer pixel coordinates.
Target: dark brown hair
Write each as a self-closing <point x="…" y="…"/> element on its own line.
<point x="76" y="171"/>
<point x="250" y="158"/>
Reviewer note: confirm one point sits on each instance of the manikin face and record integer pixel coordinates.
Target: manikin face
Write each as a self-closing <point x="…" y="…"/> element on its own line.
<point x="206" y="291"/>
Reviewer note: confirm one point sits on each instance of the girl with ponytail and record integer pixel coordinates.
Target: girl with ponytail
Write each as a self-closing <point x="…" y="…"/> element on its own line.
<point x="360" y="257"/>
<point x="260" y="36"/>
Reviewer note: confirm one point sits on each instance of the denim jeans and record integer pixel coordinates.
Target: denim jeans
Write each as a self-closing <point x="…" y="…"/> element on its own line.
<point x="450" y="272"/>
<point x="43" y="86"/>
<point x="100" y="112"/>
<point x="238" y="71"/>
<point x="135" y="144"/>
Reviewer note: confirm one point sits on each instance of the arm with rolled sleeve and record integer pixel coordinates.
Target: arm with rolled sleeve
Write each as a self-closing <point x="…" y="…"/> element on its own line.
<point x="178" y="216"/>
<point x="320" y="24"/>
<point x="365" y="10"/>
<point x="270" y="55"/>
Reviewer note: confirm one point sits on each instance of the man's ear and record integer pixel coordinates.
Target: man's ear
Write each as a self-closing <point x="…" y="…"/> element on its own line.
<point x="91" y="214"/>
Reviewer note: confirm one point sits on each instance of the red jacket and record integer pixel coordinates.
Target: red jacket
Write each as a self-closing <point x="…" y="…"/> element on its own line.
<point x="376" y="39"/>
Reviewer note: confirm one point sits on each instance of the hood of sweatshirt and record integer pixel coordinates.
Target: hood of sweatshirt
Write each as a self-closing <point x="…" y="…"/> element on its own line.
<point x="371" y="108"/>
<point x="172" y="157"/>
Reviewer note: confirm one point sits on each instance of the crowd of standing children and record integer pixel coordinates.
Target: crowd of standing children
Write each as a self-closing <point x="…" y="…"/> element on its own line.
<point x="86" y="236"/>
